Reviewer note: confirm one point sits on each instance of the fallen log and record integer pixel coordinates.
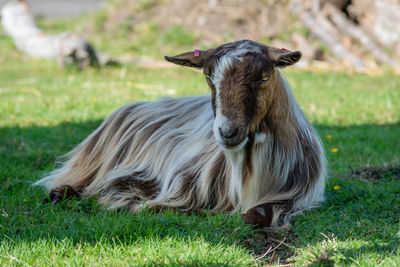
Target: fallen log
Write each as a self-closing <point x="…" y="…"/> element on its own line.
<point x="347" y="26"/>
<point x="380" y="19"/>
<point x="326" y="32"/>
<point x="67" y="48"/>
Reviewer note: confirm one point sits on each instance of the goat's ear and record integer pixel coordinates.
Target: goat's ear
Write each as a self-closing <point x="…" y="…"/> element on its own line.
<point x="283" y="57"/>
<point x="194" y="58"/>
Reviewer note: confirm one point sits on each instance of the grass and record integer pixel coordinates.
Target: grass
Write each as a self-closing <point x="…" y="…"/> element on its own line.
<point x="45" y="111"/>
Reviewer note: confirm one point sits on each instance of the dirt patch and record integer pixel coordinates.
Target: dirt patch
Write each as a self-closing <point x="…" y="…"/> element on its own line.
<point x="213" y="19"/>
<point x="270" y="248"/>
<point x="375" y="173"/>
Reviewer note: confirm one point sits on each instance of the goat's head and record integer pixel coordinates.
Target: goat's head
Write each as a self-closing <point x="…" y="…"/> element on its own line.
<point x="242" y="79"/>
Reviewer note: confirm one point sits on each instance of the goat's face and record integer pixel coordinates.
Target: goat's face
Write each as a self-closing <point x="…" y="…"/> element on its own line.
<point x="241" y="76"/>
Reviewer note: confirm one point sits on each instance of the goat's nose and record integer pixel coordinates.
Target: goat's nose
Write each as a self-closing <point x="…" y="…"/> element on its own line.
<point x="228" y="132"/>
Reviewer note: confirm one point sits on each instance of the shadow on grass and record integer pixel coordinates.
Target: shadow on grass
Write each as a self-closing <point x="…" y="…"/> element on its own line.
<point x="365" y="212"/>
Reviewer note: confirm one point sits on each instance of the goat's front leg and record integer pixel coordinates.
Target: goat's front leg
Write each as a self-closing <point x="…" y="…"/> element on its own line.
<point x="266" y="215"/>
<point x="61" y="193"/>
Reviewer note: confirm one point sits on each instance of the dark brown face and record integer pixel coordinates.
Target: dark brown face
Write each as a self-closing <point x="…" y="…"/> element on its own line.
<point x="241" y="77"/>
<point x="239" y="83"/>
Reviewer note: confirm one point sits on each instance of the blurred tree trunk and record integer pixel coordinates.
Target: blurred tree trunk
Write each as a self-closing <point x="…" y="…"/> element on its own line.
<point x="354" y="30"/>
<point x="381" y="19"/>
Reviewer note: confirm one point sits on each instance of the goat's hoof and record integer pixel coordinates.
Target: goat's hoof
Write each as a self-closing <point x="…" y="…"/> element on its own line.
<point x="61" y="193"/>
<point x="260" y="216"/>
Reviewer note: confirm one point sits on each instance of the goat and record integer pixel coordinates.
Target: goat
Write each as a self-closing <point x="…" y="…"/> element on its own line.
<point x="67" y="48"/>
<point x="246" y="148"/>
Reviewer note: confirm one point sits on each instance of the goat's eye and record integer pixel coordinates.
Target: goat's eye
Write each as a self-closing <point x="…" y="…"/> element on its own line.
<point x="264" y="79"/>
<point x="209" y="81"/>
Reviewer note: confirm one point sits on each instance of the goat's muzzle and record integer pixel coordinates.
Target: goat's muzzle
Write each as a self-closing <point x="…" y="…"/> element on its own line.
<point x="230" y="136"/>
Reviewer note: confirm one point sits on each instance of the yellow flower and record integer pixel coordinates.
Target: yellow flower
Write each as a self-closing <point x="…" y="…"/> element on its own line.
<point x="329" y="136"/>
<point x="93" y="100"/>
<point x="334" y="150"/>
<point x="336" y="187"/>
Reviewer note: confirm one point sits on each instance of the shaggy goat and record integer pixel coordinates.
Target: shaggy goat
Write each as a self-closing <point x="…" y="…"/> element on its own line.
<point x="246" y="148"/>
<point x="67" y="48"/>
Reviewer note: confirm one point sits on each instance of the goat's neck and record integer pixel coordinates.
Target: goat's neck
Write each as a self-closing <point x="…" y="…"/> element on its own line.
<point x="284" y="119"/>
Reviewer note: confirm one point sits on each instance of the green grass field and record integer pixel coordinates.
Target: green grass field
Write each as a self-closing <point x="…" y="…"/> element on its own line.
<point x="45" y="111"/>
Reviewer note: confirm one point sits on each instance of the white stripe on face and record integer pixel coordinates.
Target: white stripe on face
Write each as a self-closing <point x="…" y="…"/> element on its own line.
<point x="220" y="121"/>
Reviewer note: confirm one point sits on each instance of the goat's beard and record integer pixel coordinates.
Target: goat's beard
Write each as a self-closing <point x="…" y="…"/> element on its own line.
<point x="236" y="148"/>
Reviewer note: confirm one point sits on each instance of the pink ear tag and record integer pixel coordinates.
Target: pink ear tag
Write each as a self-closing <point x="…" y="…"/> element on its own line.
<point x="284" y="49"/>
<point x="196" y="53"/>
